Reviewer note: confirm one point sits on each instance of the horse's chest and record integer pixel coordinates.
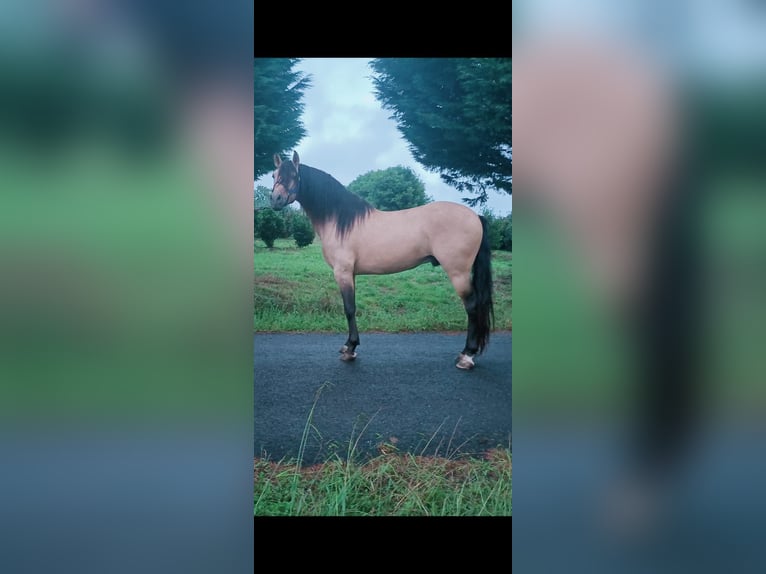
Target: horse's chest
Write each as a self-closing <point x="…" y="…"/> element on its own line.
<point x="327" y="254"/>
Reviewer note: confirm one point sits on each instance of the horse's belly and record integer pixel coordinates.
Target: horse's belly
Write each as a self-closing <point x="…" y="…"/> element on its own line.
<point x="382" y="264"/>
<point x="390" y="257"/>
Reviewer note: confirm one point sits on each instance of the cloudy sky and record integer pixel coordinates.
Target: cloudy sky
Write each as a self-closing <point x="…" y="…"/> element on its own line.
<point x="348" y="133"/>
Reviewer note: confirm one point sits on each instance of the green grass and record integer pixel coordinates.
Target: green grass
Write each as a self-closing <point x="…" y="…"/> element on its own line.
<point x="294" y="290"/>
<point x="390" y="484"/>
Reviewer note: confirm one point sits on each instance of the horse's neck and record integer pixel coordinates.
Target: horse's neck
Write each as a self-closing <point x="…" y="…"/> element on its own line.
<point x="324" y="229"/>
<point x="310" y="177"/>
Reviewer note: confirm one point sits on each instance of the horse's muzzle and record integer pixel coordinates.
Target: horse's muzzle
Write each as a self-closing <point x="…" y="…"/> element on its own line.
<point x="281" y="200"/>
<point x="278" y="204"/>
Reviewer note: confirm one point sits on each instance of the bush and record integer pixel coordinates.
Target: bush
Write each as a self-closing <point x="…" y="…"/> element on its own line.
<point x="303" y="231"/>
<point x="289" y="214"/>
<point x="269" y="225"/>
<point x="507" y="232"/>
<point x="499" y="231"/>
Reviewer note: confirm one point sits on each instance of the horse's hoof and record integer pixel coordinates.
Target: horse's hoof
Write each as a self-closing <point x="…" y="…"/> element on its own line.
<point x="347" y="357"/>
<point x="465" y="362"/>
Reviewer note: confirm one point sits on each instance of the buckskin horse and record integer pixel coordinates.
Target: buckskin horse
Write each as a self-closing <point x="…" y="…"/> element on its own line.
<point x="358" y="239"/>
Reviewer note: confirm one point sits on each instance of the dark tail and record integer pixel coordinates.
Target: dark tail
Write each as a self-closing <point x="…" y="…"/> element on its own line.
<point x="481" y="281"/>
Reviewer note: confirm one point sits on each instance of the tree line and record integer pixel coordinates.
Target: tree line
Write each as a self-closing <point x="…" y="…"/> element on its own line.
<point x="389" y="189"/>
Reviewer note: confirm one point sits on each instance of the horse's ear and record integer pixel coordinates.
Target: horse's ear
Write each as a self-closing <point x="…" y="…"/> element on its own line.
<point x="277" y="160"/>
<point x="296" y="160"/>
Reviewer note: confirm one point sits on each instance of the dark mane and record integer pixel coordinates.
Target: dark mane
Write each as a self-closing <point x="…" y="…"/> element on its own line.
<point x="324" y="198"/>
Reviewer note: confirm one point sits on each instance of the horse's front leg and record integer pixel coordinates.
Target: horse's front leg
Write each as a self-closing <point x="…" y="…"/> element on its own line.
<point x="345" y="280"/>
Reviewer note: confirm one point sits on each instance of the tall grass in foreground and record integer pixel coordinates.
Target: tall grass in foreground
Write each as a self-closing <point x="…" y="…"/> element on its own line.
<point x="390" y="484"/>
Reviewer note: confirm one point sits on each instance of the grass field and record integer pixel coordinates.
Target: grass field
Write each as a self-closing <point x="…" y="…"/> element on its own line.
<point x="294" y="290"/>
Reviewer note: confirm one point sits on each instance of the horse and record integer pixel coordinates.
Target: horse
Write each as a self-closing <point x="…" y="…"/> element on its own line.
<point x="358" y="239"/>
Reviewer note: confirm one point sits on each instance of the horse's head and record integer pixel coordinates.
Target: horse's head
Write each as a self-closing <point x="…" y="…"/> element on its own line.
<point x="286" y="181"/>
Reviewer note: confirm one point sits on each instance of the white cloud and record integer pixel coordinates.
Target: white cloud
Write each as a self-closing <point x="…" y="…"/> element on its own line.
<point x="340" y="126"/>
<point x="397" y="154"/>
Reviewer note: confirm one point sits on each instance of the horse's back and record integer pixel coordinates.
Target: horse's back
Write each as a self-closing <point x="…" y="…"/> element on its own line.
<point x="433" y="217"/>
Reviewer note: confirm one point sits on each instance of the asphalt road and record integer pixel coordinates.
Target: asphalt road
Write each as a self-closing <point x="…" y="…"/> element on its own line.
<point x="404" y="387"/>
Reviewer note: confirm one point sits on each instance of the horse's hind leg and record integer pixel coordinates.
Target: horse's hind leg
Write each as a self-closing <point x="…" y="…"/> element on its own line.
<point x="347" y="290"/>
<point x="465" y="359"/>
<point x="462" y="284"/>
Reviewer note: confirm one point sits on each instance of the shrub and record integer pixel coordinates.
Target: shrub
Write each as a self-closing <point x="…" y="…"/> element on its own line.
<point x="270" y="225"/>
<point x="499" y="231"/>
<point x="303" y="231"/>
